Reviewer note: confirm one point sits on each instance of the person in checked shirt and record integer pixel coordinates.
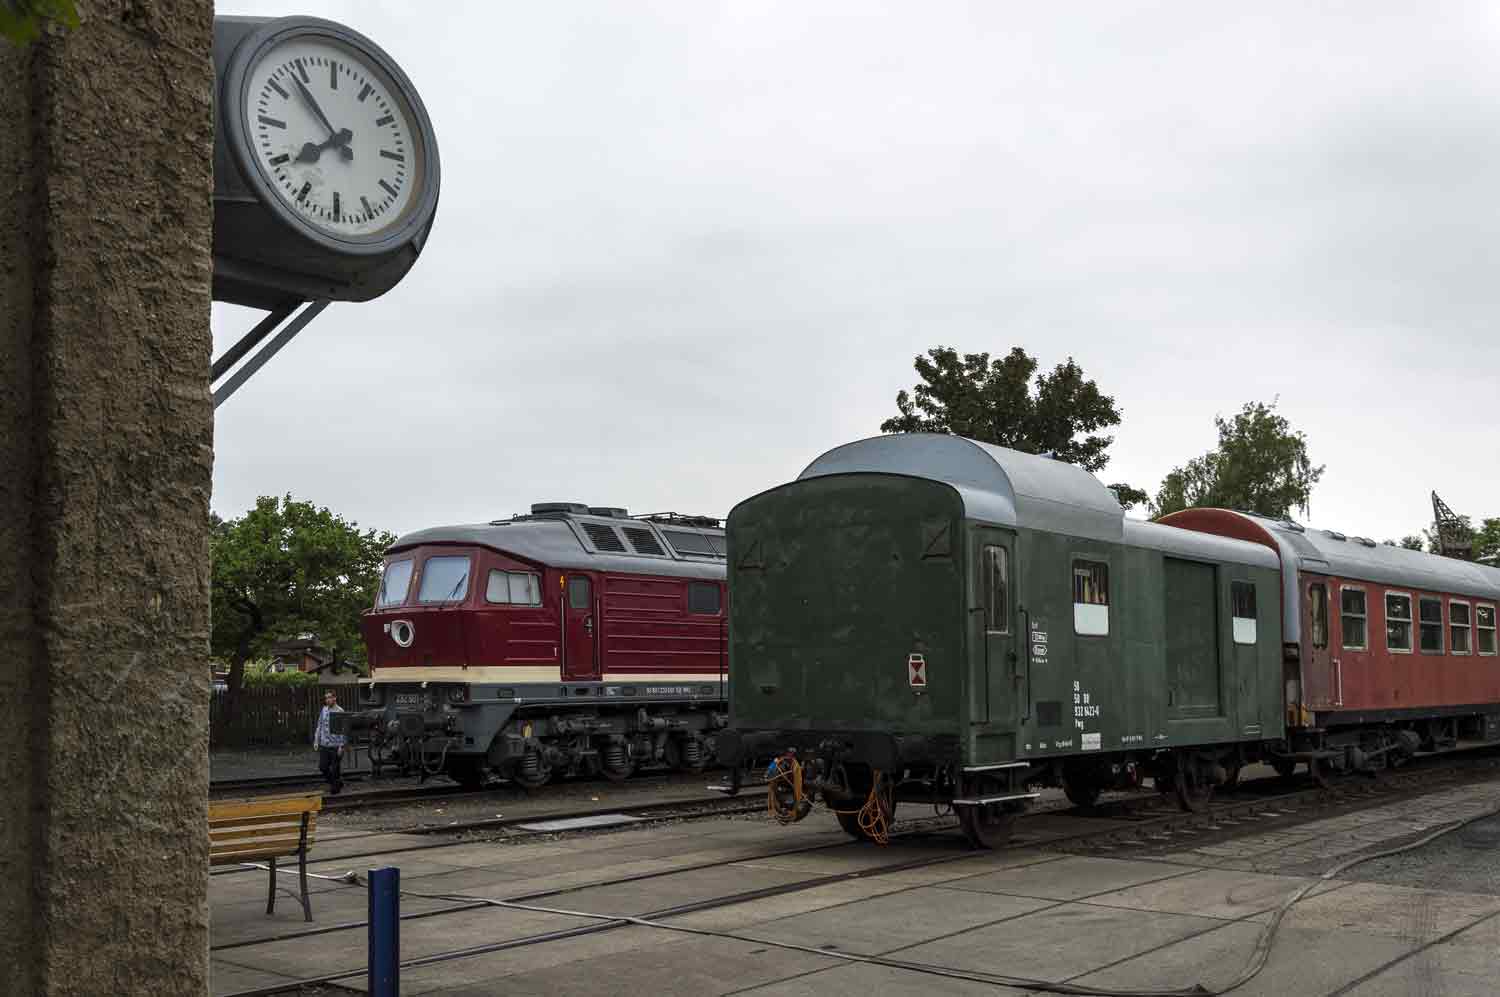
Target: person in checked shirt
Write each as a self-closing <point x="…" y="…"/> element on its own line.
<point x="330" y="745"/>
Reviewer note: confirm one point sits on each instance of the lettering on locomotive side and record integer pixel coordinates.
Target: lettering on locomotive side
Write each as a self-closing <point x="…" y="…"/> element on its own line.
<point x="669" y="690"/>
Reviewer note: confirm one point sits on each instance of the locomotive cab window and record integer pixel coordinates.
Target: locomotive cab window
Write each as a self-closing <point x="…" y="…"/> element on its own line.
<point x="394" y="583"/>
<point x="1484" y="629"/>
<point x="1398" y="622"/>
<point x="1242" y="600"/>
<point x="703" y="597"/>
<point x="997" y="590"/>
<point x="1317" y="607"/>
<point x="579" y="596"/>
<point x="444" y="579"/>
<point x="1458" y="627"/>
<point x="1091" y="598"/>
<point x="1430" y="636"/>
<point x="1355" y="617"/>
<point x="514" y="588"/>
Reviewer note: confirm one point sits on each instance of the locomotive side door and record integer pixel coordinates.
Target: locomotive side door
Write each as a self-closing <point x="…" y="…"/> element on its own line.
<point x="993" y="690"/>
<point x="1321" y="683"/>
<point x="580" y="623"/>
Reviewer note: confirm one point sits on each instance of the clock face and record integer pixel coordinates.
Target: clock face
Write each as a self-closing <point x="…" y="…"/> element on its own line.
<point x="334" y="139"/>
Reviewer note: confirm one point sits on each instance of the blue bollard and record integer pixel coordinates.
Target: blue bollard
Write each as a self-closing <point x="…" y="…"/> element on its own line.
<point x="385" y="932"/>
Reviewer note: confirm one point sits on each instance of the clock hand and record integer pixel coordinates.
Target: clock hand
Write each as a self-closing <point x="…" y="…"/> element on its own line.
<point x="311" y="151"/>
<point x="313" y="103"/>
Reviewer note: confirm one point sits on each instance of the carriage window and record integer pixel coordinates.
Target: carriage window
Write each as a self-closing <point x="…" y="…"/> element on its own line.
<point x="996" y="590"/>
<point x="1458" y="626"/>
<point x="1431" y="636"/>
<point x="516" y="588"/>
<point x="1484" y="627"/>
<point x="703" y="597"/>
<point x="1317" y="607"/>
<point x="1398" y="623"/>
<point x="1090" y="598"/>
<point x="394" y="583"/>
<point x="444" y="579"/>
<point x="1355" y="619"/>
<point x="1242" y="599"/>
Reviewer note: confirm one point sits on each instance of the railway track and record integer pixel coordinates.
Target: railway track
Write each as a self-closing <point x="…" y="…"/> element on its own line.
<point x="1143" y="820"/>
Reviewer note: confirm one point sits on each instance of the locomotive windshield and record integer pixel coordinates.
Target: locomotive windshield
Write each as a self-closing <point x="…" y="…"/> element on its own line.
<point x="394" y="583"/>
<point x="444" y="579"/>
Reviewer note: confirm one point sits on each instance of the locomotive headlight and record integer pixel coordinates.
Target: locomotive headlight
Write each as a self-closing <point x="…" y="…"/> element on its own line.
<point x="403" y="633"/>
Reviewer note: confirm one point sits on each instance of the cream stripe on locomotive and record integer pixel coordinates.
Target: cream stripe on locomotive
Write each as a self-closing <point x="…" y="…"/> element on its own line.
<point x="517" y="674"/>
<point x="478" y="673"/>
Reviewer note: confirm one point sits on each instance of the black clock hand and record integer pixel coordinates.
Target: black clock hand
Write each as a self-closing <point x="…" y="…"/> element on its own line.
<point x="312" y="150"/>
<point x="313" y="103"/>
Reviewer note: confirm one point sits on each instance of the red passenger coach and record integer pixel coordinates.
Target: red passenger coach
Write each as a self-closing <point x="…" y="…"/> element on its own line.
<point x="1387" y="650"/>
<point x="570" y="640"/>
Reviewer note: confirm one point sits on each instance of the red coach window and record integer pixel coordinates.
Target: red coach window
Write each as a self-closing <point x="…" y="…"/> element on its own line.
<point x="1431" y="637"/>
<point x="1355" y="616"/>
<point x="1318" y="607"/>
<point x="1398" y="622"/>
<point x="1458" y="626"/>
<point x="1484" y="624"/>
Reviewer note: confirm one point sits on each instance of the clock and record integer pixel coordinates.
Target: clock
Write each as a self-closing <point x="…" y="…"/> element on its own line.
<point x="330" y="136"/>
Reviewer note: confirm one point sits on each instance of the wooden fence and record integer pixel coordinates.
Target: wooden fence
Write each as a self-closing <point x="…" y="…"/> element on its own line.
<point x="273" y="715"/>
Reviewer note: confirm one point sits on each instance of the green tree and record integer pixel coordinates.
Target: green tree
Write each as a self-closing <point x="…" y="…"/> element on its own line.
<point x="288" y="567"/>
<point x="22" y="21"/>
<point x="1260" y="465"/>
<point x="1412" y="541"/>
<point x="993" y="401"/>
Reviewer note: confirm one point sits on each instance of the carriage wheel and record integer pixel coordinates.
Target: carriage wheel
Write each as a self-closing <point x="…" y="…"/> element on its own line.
<point x="987" y="826"/>
<point x="1083" y="784"/>
<point x="1284" y="767"/>
<point x="1191" y="785"/>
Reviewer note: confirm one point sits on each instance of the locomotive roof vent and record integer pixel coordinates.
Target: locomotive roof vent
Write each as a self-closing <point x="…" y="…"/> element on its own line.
<point x="1366" y="541"/>
<point x="609" y="511"/>
<point x="1335" y="535"/>
<point x="559" y="508"/>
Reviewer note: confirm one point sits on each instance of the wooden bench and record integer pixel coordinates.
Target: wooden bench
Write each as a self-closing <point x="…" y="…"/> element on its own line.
<point x="268" y="828"/>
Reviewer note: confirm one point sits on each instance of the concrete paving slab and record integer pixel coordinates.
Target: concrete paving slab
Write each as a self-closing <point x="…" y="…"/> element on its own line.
<point x="691" y="966"/>
<point x="247" y="920"/>
<point x="1301" y="962"/>
<point x="1452" y="969"/>
<point x="700" y="884"/>
<point x="1393" y="911"/>
<point x="225" y="977"/>
<point x="478" y="973"/>
<point x="1069" y="878"/>
<point x="1059" y="942"/>
<point x="1209" y="893"/>
<point x="480" y="854"/>
<point x="866" y="980"/>
<point x="343" y="951"/>
<point x="896" y="921"/>
<point x="737" y="916"/>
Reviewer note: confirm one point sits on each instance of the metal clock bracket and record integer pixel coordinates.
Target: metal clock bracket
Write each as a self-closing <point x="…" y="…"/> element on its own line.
<point x="274" y="317"/>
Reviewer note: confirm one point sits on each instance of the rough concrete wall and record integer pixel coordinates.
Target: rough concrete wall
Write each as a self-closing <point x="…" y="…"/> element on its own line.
<point x="110" y="426"/>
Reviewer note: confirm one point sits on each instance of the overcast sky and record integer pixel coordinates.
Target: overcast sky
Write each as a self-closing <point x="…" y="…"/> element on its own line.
<point x="683" y="248"/>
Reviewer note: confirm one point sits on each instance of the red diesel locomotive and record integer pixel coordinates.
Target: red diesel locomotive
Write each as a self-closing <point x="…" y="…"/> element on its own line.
<point x="571" y="640"/>
<point x="1386" y="650"/>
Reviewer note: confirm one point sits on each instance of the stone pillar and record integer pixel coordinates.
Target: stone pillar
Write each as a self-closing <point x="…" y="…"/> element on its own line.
<point x="106" y="432"/>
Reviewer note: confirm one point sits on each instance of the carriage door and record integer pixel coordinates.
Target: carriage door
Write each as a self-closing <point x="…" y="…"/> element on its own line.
<point x="1319" y="679"/>
<point x="1193" y="661"/>
<point x="580" y="623"/>
<point x="994" y="691"/>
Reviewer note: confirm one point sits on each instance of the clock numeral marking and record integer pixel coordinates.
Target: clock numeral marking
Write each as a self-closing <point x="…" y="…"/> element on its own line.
<point x="369" y="211"/>
<point x="277" y="87"/>
<point x="273" y="122"/>
<point x="278" y="160"/>
<point x="335" y="205"/>
<point x="302" y="194"/>
<point x="303" y="71"/>
<point x="382" y="122"/>
<point x="388" y="188"/>
<point x="388" y="154"/>
<point x="365" y="93"/>
<point x="333" y="75"/>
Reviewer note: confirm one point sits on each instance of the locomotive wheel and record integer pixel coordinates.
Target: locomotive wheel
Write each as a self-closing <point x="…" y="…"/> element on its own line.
<point x="1191" y="785"/>
<point x="534" y="776"/>
<point x="885" y="797"/>
<point x="467" y="772"/>
<point x="617" y="774"/>
<point x="987" y="826"/>
<point x="675" y="753"/>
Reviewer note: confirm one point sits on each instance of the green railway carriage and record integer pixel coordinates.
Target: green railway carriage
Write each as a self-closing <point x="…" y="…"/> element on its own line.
<point x="924" y="617"/>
